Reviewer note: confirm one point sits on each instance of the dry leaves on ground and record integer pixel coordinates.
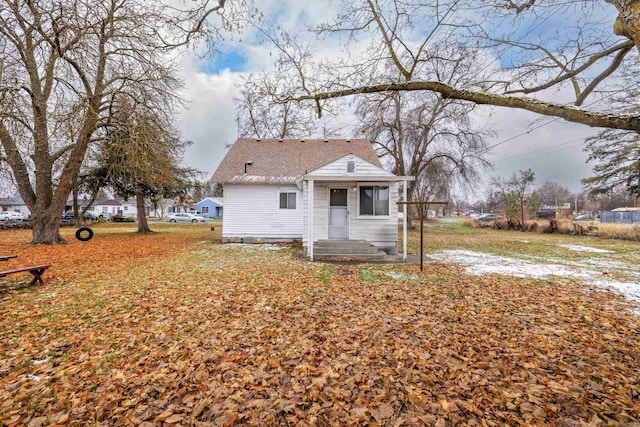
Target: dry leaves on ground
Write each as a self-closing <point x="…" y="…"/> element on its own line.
<point x="175" y="329"/>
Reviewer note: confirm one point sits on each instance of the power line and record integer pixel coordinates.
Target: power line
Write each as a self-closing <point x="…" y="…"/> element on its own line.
<point x="553" y="149"/>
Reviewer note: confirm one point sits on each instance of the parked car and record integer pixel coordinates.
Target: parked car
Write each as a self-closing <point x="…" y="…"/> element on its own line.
<point x="489" y="217"/>
<point x="184" y="217"/>
<point x="583" y="217"/>
<point x="88" y="215"/>
<point x="11" y="216"/>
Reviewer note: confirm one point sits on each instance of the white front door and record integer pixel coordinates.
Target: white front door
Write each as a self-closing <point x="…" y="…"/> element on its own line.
<point x="338" y="214"/>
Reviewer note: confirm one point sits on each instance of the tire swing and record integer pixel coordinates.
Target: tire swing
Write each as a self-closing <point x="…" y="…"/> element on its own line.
<point x="84" y="234"/>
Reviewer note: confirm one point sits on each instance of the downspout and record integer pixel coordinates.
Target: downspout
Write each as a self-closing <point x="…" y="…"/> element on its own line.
<point x="310" y="218"/>
<point x="404" y="221"/>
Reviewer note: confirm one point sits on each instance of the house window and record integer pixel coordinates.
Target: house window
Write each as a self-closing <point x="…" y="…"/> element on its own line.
<point x="287" y="200"/>
<point x="351" y="166"/>
<point x="374" y="200"/>
<point x="204" y="209"/>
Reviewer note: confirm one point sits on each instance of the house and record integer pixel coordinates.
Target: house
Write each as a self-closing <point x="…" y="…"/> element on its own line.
<point x="210" y="207"/>
<point x="130" y="208"/>
<point x="108" y="208"/>
<point x="310" y="190"/>
<point x="15" y="204"/>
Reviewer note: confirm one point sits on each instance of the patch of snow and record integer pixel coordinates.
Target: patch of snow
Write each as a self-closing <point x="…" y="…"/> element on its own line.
<point x="41" y="361"/>
<point x="630" y="290"/>
<point x="400" y="276"/>
<point x="257" y="246"/>
<point x="257" y="179"/>
<point x="580" y="248"/>
<point x="34" y="377"/>
<point x="478" y="263"/>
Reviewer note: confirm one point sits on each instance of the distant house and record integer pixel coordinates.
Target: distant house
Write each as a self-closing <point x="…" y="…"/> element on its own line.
<point x="82" y="203"/>
<point x="210" y="207"/>
<point x="108" y="208"/>
<point x="626" y="215"/>
<point x="309" y="190"/>
<point x="14" y="204"/>
<point x="130" y="209"/>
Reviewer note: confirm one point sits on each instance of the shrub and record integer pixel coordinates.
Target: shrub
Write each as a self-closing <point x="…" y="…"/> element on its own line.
<point x="567" y="226"/>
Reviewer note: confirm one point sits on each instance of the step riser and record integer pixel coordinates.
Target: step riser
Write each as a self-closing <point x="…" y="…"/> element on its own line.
<point x="345" y="251"/>
<point x="358" y="257"/>
<point x="356" y="249"/>
<point x="344" y="246"/>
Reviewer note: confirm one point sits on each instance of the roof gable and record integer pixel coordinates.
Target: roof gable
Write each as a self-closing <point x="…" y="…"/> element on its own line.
<point x="214" y="200"/>
<point x="339" y="168"/>
<point x="274" y="161"/>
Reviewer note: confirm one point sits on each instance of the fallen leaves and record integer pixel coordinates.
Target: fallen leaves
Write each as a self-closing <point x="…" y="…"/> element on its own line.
<point x="167" y="330"/>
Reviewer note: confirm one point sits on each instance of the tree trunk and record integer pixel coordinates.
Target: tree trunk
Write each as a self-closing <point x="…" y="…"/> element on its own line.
<point x="46" y="229"/>
<point x="143" y="226"/>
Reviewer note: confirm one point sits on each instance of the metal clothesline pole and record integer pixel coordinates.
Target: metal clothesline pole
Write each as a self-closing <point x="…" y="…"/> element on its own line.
<point x="421" y="206"/>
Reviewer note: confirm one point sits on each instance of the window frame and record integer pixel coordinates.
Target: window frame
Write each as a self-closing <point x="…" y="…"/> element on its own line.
<point x="373" y="215"/>
<point x="288" y="200"/>
<point x="353" y="162"/>
<point x="204" y="209"/>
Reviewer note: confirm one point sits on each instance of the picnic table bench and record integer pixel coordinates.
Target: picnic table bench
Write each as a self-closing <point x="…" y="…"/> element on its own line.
<point x="36" y="270"/>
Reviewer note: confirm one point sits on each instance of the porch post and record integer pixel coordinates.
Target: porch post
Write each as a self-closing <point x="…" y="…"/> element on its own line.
<point x="404" y="221"/>
<point x="310" y="197"/>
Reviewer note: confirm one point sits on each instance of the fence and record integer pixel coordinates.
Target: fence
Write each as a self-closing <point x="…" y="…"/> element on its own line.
<point x="626" y="217"/>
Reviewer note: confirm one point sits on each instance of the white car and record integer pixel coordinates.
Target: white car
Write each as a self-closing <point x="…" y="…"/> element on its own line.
<point x="11" y="216"/>
<point x="184" y="217"/>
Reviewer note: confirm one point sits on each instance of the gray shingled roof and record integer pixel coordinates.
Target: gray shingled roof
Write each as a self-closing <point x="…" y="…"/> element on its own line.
<point x="280" y="161"/>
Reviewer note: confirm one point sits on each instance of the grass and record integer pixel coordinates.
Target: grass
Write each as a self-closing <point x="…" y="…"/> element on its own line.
<point x="176" y="324"/>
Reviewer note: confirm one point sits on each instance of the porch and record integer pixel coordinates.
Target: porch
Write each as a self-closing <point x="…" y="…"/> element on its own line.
<point x="354" y="217"/>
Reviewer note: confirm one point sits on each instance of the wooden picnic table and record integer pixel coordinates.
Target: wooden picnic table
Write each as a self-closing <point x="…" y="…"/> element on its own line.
<point x="36" y="270"/>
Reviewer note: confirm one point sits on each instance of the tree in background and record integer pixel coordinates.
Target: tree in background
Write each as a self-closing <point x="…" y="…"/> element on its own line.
<point x="617" y="157"/>
<point x="523" y="53"/>
<point x="61" y="65"/>
<point x="552" y="193"/>
<point x="261" y="114"/>
<point x="514" y="193"/>
<point x="140" y="157"/>
<point x="428" y="137"/>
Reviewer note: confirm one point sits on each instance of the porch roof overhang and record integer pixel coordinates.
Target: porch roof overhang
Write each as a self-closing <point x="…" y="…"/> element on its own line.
<point x="359" y="178"/>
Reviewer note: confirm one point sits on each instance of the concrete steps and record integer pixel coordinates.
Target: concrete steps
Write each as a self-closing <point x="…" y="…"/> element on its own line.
<point x="355" y="249"/>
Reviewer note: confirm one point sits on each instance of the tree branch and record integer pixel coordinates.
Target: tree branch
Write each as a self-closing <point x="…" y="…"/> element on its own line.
<point x="624" y="121"/>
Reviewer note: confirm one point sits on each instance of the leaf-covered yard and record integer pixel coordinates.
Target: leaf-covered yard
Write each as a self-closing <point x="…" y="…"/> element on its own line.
<point x="175" y="328"/>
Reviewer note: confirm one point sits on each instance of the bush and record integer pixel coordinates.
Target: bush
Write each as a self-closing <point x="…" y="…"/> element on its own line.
<point x="120" y="218"/>
<point x="567" y="226"/>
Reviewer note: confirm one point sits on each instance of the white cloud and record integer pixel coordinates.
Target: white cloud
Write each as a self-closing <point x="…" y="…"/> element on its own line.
<point x="209" y="120"/>
<point x="552" y="148"/>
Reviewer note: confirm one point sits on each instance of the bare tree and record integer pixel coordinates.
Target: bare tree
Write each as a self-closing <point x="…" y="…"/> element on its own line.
<point x="552" y="193"/>
<point x="428" y="137"/>
<point x="61" y="65"/>
<point x="261" y="114"/>
<point x="520" y="69"/>
<point x="514" y="193"/>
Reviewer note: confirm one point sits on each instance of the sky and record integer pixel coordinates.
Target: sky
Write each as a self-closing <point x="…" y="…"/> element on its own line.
<point x="551" y="147"/>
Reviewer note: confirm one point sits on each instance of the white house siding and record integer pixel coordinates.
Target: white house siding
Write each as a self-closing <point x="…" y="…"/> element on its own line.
<point x="252" y="213"/>
<point x="379" y="231"/>
<point x="339" y="168"/>
<point x="107" y="210"/>
<point x="22" y="209"/>
<point x="321" y="211"/>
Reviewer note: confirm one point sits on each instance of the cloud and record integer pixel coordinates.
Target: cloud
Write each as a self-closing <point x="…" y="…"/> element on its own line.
<point x="209" y="119"/>
<point x="552" y="148"/>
